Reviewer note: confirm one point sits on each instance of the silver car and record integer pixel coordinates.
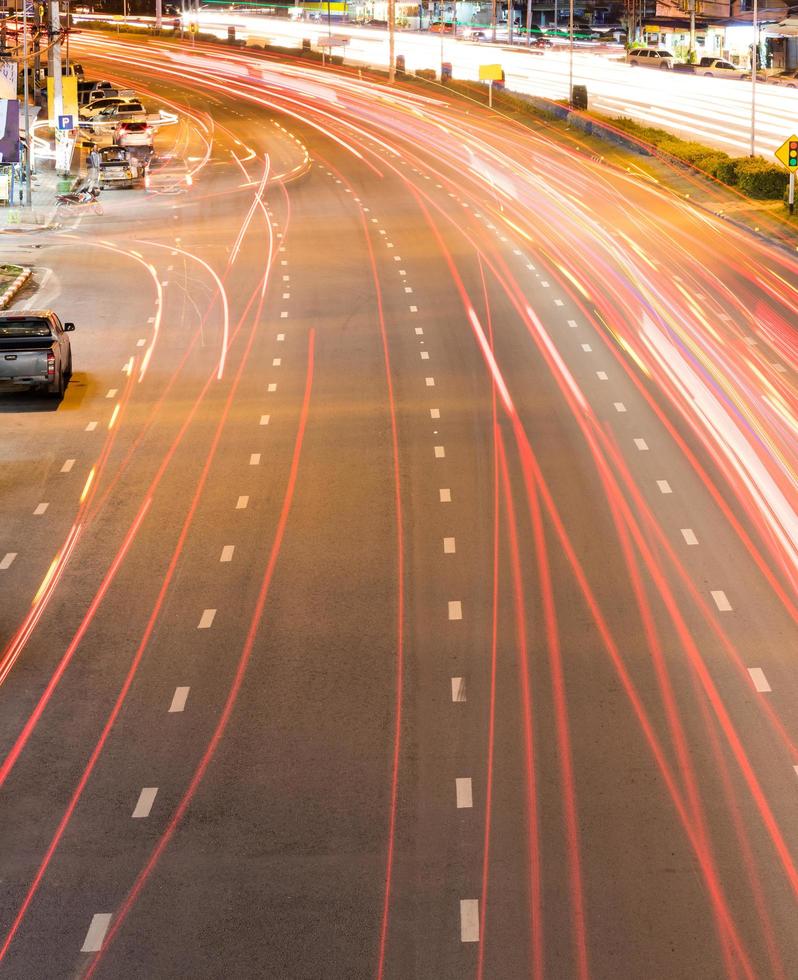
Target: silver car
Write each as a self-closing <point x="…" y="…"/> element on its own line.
<point x="650" y="58"/>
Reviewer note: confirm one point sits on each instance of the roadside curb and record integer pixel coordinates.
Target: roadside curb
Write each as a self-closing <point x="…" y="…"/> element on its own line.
<point x="12" y="290"/>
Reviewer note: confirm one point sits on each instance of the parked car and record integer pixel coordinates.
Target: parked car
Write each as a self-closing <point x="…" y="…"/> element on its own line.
<point x="129" y="134"/>
<point x="98" y="105"/>
<point x="119" y="167"/>
<point x="787" y="78"/>
<point x="650" y="58"/>
<point x="35" y="352"/>
<point x="114" y="111"/>
<point x="718" y="68"/>
<point x="441" y="28"/>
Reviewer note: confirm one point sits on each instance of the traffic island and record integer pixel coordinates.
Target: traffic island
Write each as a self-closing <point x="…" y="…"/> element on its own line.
<point x="12" y="279"/>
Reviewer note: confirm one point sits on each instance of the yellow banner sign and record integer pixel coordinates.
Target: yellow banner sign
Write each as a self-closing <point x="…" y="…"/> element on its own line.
<point x="69" y="97"/>
<point x="491" y="73"/>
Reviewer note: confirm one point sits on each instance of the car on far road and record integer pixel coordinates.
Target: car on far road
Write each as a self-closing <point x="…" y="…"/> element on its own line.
<point x="650" y="58"/>
<point x="441" y="28"/>
<point x="35" y="352"/>
<point x="167" y="175"/>
<point x="718" y="68"/>
<point x="133" y="134"/>
<point x="786" y="78"/>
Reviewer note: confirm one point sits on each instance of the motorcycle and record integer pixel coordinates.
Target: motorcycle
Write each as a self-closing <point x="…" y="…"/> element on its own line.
<point x="80" y="201"/>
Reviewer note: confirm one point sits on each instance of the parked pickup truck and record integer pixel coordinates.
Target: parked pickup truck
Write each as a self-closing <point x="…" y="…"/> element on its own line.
<point x="119" y="167"/>
<point x="35" y="351"/>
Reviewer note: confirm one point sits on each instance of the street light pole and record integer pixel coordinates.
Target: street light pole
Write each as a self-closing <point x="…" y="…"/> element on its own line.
<point x="391" y="41"/>
<point x="571" y="53"/>
<point x="25" y="97"/>
<point x="754" y="65"/>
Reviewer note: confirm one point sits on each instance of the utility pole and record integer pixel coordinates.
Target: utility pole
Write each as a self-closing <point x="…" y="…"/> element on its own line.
<point x="571" y="53"/>
<point x="754" y="66"/>
<point x="25" y="97"/>
<point x="691" y="5"/>
<point x="392" y="41"/>
<point x="510" y="17"/>
<point x="528" y="22"/>
<point x="54" y="72"/>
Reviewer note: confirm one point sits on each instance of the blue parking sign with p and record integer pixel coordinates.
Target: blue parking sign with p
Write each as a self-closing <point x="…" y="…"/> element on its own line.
<point x="66" y="122"/>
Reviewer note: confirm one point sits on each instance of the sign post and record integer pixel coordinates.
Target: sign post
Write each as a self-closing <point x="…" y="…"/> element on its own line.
<point x="787" y="155"/>
<point x="491" y="74"/>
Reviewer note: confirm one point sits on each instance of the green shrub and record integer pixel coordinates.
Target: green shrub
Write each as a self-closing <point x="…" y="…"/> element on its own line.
<point x="760" y="179"/>
<point x="727" y="171"/>
<point x="689" y="152"/>
<point x="713" y="163"/>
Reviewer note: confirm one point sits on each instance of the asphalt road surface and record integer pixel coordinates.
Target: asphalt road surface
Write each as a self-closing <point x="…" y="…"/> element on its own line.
<point x="406" y="585"/>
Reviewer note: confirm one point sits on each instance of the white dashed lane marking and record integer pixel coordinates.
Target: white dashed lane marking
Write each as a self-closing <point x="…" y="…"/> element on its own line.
<point x="463" y="793"/>
<point x="145" y="802"/>
<point x="111" y="393"/>
<point x="448" y="546"/>
<point x="601" y="375"/>
<point x="759" y="680"/>
<point x="458" y="689"/>
<point x="91" y="426"/>
<point x="206" y="619"/>
<point x="469" y="920"/>
<point x="227" y="552"/>
<point x="179" y="699"/>
<point x="619" y="407"/>
<point x="434" y="413"/>
<point x="272" y="387"/>
<point x="40" y="509"/>
<point x="68" y="464"/>
<point x="254" y="459"/>
<point x="689" y="535"/>
<point x="241" y="503"/>
<point x="572" y="324"/>
<point x="721" y="601"/>
<point x="264" y="419"/>
<point x="7" y="560"/>
<point x="440" y="452"/>
<point x="641" y="444"/>
<point x="430" y="382"/>
<point x="664" y="486"/>
<point x="455" y="609"/>
<point x="446" y="495"/>
<point x="98" y="927"/>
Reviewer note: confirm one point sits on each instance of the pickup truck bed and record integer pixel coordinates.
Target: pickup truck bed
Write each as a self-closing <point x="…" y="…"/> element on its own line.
<point x="34" y="351"/>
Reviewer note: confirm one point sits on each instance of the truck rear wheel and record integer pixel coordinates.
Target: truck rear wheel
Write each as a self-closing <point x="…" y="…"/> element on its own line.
<point x="59" y="387"/>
